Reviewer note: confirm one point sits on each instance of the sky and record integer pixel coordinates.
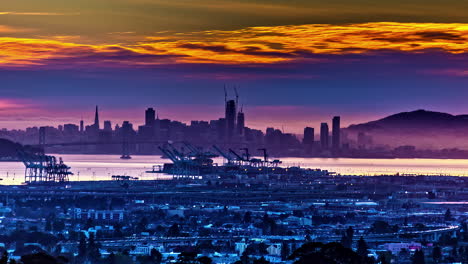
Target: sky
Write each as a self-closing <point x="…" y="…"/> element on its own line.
<point x="295" y="63"/>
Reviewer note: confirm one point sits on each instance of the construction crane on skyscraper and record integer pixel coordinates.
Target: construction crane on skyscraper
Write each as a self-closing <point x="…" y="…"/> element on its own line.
<point x="237" y="96"/>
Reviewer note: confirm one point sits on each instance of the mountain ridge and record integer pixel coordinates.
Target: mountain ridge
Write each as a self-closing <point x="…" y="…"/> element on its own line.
<point x="415" y="119"/>
<point x="420" y="128"/>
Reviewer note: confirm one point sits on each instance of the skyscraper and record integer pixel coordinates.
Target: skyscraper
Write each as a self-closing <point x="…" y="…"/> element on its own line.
<point x="96" y="119"/>
<point x="336" y="133"/>
<point x="230" y="118"/>
<point x="107" y="126"/>
<point x="240" y="123"/>
<point x="150" y="117"/>
<point x="81" y="126"/>
<point x="308" y="136"/>
<point x="221" y="128"/>
<point x="324" y="135"/>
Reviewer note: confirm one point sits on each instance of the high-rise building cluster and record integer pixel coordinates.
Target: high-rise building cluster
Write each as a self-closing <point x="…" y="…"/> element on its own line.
<point x="228" y="131"/>
<point x="326" y="144"/>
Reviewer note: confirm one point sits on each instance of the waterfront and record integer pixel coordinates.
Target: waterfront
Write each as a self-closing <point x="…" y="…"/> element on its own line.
<point x="102" y="167"/>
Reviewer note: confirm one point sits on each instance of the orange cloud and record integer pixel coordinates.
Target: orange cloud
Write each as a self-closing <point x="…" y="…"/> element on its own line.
<point x="282" y="43"/>
<point x="245" y="46"/>
<point x="37" y="14"/>
<point x="8" y="29"/>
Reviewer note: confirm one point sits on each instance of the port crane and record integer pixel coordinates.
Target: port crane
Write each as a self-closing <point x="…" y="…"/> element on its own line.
<point x="41" y="168"/>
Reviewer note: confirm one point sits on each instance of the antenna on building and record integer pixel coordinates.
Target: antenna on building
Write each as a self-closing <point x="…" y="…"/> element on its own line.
<point x="225" y="94"/>
<point x="237" y="96"/>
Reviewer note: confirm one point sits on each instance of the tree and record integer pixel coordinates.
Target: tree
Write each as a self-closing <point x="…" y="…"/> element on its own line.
<point x="62" y="260"/>
<point x="347" y="237"/>
<point x="156" y="256"/>
<point x="344" y="240"/>
<point x="111" y="258"/>
<point x="119" y="259"/>
<point x="82" y="248"/>
<point x="174" y="231"/>
<point x="58" y="250"/>
<point x="38" y="258"/>
<point x="4" y="259"/>
<point x="382" y="227"/>
<point x="285" y="252"/>
<point x="436" y="254"/>
<point x="418" y="257"/>
<point x="204" y="260"/>
<point x="350" y="233"/>
<point x="245" y="259"/>
<point x="261" y="260"/>
<point x="48" y="225"/>
<point x="141" y="227"/>
<point x="58" y="225"/>
<point x="256" y="249"/>
<point x="385" y="257"/>
<point x="362" y="248"/>
<point x="269" y="225"/>
<point x="420" y="226"/>
<point x="187" y="258"/>
<point x="298" y="213"/>
<point x="464" y="226"/>
<point x="448" y="215"/>
<point x="463" y="251"/>
<point x="454" y="252"/>
<point x="247" y="217"/>
<point x="93" y="248"/>
<point x="319" y="253"/>
<point x="89" y="224"/>
<point x="118" y="230"/>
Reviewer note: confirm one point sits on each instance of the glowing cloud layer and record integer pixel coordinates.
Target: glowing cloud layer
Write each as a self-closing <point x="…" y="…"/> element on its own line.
<point x="254" y="45"/>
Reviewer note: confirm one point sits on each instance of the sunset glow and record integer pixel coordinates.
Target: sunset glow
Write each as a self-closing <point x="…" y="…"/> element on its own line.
<point x="254" y="45"/>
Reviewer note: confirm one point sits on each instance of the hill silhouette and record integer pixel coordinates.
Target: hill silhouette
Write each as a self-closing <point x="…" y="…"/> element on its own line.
<point x="9" y="149"/>
<point x="420" y="128"/>
<point x="416" y="119"/>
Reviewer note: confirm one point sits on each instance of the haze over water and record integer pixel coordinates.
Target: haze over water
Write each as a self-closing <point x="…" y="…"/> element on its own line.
<point x="102" y="167"/>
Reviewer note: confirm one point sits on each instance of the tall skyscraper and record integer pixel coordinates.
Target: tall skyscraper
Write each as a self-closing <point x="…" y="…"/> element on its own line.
<point x="221" y="128"/>
<point x="150" y="117"/>
<point x="127" y="128"/>
<point x="240" y="123"/>
<point x="336" y="134"/>
<point x="107" y="126"/>
<point x="308" y="136"/>
<point x="96" y="119"/>
<point x="230" y="118"/>
<point x="324" y="135"/>
<point x="81" y="126"/>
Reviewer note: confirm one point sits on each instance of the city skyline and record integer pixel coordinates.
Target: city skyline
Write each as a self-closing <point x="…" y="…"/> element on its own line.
<point x="234" y="117"/>
<point x="136" y="116"/>
<point x="232" y="108"/>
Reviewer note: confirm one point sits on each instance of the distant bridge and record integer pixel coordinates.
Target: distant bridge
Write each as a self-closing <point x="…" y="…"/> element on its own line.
<point x="89" y="143"/>
<point x="126" y="141"/>
<point x="125" y="144"/>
